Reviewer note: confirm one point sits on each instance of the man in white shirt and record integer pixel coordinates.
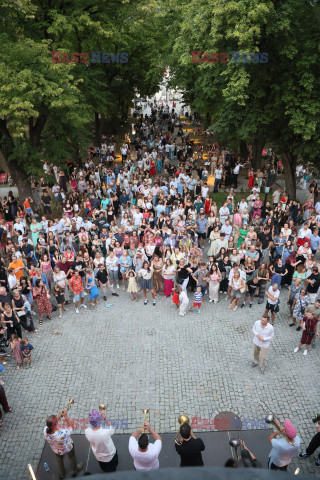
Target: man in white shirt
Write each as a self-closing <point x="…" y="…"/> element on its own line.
<point x="101" y="442"/>
<point x="263" y="334"/>
<point x="273" y="295"/>
<point x="145" y="454"/>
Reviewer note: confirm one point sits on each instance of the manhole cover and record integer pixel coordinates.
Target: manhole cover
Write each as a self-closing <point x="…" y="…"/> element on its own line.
<point x="227" y="421"/>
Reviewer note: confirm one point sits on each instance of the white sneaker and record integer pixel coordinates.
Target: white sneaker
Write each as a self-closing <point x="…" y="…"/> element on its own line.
<point x="118" y="286"/>
<point x="210" y="301"/>
<point x="77" y="310"/>
<point x="85" y="294"/>
<point x="84" y="306"/>
<point x="1" y="382"/>
<point x="296" y="350"/>
<point x="305" y="352"/>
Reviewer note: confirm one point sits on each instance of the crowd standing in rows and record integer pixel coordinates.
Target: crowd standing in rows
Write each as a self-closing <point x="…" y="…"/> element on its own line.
<point x="148" y="224"/>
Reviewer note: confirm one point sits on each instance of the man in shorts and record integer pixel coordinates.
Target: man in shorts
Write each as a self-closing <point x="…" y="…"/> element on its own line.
<point x="272" y="303"/>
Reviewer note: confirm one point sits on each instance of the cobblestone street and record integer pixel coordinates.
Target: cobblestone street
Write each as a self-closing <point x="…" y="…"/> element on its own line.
<point x="130" y="356"/>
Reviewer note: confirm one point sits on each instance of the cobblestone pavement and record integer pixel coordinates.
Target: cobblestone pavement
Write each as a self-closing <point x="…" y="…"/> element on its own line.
<point x="131" y="356"/>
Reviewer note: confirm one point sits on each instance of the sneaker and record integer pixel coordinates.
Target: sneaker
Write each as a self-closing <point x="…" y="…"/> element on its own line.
<point x="84" y="306"/>
<point x="250" y="305"/>
<point x="303" y="455"/>
<point x="85" y="294"/>
<point x="291" y="324"/>
<point x="254" y="365"/>
<point x="1" y="382"/>
<point x="146" y="301"/>
<point x="296" y="350"/>
<point x="115" y="294"/>
<point x="77" y="310"/>
<point x="243" y="305"/>
<point x="298" y="329"/>
<point x="198" y="311"/>
<point x="317" y="462"/>
<point x="210" y="301"/>
<point x="225" y="293"/>
<point x="154" y="303"/>
<point x="118" y="286"/>
<point x="305" y="352"/>
<point x="104" y="297"/>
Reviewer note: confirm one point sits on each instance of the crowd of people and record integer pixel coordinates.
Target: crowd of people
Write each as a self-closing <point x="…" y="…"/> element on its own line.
<point x="148" y="224"/>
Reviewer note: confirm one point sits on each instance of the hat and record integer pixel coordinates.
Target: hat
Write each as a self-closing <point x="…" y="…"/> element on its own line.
<point x="291" y="432"/>
<point x="95" y="418"/>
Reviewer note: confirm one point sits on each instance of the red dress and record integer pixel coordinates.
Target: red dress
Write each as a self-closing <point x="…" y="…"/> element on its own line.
<point x="152" y="168"/>
<point x="251" y="181"/>
<point x="207" y="207"/>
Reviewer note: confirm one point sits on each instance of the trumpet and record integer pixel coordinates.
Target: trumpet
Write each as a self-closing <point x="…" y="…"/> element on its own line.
<point x="71" y="401"/>
<point x="181" y="419"/>
<point x="235" y="442"/>
<point x="273" y="420"/>
<point x="144" y="411"/>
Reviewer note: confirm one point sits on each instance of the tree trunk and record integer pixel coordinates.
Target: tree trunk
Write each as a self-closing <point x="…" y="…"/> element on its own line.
<point x="258" y="144"/>
<point x="97" y="126"/>
<point x="289" y="163"/>
<point x="243" y="149"/>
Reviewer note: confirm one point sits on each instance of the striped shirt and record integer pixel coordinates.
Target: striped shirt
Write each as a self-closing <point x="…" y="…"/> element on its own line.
<point x="197" y="297"/>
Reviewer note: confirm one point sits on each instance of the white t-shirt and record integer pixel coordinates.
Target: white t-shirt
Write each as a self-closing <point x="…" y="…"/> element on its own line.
<point x="112" y="263"/>
<point x="282" y="451"/>
<point x="145" y="460"/>
<point x="101" y="443"/>
<point x="275" y="294"/>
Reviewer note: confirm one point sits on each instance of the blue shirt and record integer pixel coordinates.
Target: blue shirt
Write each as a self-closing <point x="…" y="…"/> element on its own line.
<point x="314" y="242"/>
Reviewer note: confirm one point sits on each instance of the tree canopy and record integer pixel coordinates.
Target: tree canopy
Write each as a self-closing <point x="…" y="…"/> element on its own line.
<point x="48" y="109"/>
<point x="275" y="103"/>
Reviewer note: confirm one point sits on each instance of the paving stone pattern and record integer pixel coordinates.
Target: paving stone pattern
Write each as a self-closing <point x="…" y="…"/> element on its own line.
<point x="131" y="356"/>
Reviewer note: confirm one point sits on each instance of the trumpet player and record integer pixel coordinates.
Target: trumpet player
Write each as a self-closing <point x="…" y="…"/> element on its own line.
<point x="145" y="455"/>
<point x="61" y="443"/>
<point x="190" y="448"/>
<point x="283" y="449"/>
<point x="101" y="442"/>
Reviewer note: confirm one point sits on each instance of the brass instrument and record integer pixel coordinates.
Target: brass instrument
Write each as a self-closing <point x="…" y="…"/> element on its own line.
<point x="235" y="442"/>
<point x="181" y="419"/>
<point x="71" y="401"/>
<point x="102" y="406"/>
<point x="271" y="419"/>
<point x="144" y="411"/>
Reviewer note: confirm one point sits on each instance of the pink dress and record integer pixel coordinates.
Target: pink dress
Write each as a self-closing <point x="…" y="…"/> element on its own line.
<point x="17" y="352"/>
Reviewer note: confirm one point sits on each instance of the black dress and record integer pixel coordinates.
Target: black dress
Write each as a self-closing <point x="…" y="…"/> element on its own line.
<point x="26" y="318"/>
<point x="15" y="327"/>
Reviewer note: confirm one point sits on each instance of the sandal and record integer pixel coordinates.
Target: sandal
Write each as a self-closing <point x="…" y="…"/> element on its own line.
<point x="10" y="410"/>
<point x="48" y="317"/>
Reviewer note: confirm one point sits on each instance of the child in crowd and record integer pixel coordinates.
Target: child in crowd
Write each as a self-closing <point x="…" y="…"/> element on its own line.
<point x="132" y="285"/>
<point x="16" y="349"/>
<point x="59" y="296"/>
<point x="26" y="349"/>
<point x="197" y="299"/>
<point x="184" y="302"/>
<point x="175" y="296"/>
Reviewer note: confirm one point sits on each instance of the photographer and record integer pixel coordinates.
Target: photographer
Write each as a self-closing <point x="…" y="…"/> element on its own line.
<point x="315" y="442"/>
<point x="247" y="459"/>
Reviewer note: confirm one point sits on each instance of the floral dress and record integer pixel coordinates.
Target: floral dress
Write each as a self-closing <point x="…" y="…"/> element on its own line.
<point x="44" y="304"/>
<point x="300" y="306"/>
